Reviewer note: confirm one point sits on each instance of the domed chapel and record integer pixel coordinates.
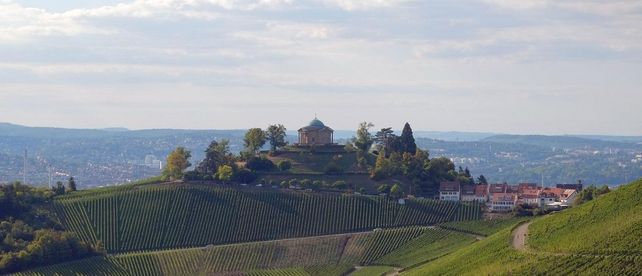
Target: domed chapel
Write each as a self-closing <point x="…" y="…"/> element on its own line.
<point x="316" y="133"/>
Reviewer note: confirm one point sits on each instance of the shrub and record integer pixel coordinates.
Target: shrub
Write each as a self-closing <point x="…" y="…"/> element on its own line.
<point x="306" y="183"/>
<point x="293" y="182"/>
<point x="333" y="168"/>
<point x="194" y="176"/>
<point x="259" y="164"/>
<point x="383" y="188"/>
<point x="284" y="184"/>
<point x="340" y="184"/>
<point x="245" y="176"/>
<point x="284" y="165"/>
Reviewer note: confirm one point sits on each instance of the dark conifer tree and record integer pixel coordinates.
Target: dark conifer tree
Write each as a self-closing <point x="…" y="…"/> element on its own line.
<point x="71" y="184"/>
<point x="408" y="140"/>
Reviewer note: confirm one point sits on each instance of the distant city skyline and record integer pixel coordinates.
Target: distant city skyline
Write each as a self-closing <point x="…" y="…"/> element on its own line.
<point x="521" y="67"/>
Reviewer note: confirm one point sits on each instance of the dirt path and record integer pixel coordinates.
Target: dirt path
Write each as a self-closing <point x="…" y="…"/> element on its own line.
<point x="519" y="236"/>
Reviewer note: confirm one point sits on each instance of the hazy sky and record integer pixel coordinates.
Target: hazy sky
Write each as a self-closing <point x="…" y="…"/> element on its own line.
<point x="522" y="66"/>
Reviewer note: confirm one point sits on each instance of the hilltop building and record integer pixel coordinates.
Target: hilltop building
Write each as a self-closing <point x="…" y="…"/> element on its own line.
<point x="316" y="134"/>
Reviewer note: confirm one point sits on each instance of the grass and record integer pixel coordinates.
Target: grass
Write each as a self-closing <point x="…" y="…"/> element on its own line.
<point x="372" y="271"/>
<point x="611" y="224"/>
<point x="484" y="227"/>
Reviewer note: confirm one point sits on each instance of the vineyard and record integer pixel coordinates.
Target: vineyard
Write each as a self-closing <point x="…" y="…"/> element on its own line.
<point x="429" y="246"/>
<point x="480" y="227"/>
<point x="177" y="216"/>
<point x="332" y="255"/>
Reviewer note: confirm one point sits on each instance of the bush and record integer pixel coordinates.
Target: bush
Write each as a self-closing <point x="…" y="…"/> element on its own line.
<point x="340" y="184"/>
<point x="284" y="165"/>
<point x="259" y="164"/>
<point x="284" y="184"/>
<point x="306" y="183"/>
<point x="333" y="168"/>
<point x="383" y="188"/>
<point x="194" y="176"/>
<point x="245" y="176"/>
<point x="293" y="182"/>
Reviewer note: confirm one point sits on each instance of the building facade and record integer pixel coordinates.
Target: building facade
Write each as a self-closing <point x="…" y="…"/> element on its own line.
<point x="316" y="134"/>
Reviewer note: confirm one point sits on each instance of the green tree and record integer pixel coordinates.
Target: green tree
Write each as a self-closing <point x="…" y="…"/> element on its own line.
<point x="396" y="190"/>
<point x="224" y="173"/>
<point x="381" y="168"/>
<point x="254" y="139"/>
<point x="71" y="184"/>
<point x="407" y="140"/>
<point x="386" y="139"/>
<point x="59" y="189"/>
<point x="177" y="162"/>
<point x="275" y="134"/>
<point x="482" y="179"/>
<point x="216" y="154"/>
<point x="364" y="139"/>
<point x="284" y="165"/>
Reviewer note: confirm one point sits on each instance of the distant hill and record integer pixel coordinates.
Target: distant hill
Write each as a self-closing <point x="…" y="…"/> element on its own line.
<point x="559" y="142"/>
<point x="97" y="157"/>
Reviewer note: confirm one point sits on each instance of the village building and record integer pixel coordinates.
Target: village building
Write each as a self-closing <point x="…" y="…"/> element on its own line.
<point x="449" y="190"/>
<point x="529" y="197"/>
<point x="577" y="186"/>
<point x="502" y="202"/>
<point x="524" y="186"/>
<point x="477" y="193"/>
<point x="316" y="134"/>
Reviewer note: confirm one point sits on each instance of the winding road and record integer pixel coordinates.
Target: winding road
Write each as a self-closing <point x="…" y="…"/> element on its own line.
<point x="519" y="236"/>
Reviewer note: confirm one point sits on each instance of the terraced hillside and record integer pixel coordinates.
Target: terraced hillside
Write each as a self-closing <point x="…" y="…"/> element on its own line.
<point x="179" y="216"/>
<point x="601" y="237"/>
<point x="332" y="255"/>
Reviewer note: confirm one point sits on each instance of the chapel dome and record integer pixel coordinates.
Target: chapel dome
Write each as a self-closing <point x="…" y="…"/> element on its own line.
<point x="316" y="123"/>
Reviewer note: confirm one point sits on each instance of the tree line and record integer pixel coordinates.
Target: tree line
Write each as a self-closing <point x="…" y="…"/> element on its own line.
<point x="30" y="235"/>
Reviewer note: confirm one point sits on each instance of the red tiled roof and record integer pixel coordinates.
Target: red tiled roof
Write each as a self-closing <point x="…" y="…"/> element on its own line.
<point x="468" y="189"/>
<point x="481" y="190"/>
<point x="449" y="186"/>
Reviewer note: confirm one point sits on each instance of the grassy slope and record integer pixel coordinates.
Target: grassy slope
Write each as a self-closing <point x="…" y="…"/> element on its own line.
<point x="611" y="224"/>
<point x="170" y="216"/>
<point x="481" y="227"/>
<point x="372" y="271"/>
<point x="495" y="254"/>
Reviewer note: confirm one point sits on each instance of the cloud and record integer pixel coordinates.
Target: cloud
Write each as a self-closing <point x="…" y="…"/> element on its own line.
<point x="353" y="5"/>
<point x="19" y="23"/>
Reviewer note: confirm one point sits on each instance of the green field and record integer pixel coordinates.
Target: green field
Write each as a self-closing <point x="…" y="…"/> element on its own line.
<point x="179" y="216"/>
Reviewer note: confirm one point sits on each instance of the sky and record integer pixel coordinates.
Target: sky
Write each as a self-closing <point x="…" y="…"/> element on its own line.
<point x="524" y="67"/>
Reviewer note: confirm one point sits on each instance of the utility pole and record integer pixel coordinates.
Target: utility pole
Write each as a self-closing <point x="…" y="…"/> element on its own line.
<point x="24" y="169"/>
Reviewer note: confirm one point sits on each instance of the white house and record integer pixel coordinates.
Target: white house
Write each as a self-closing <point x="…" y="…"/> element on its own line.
<point x="449" y="190"/>
<point x="502" y="202"/>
